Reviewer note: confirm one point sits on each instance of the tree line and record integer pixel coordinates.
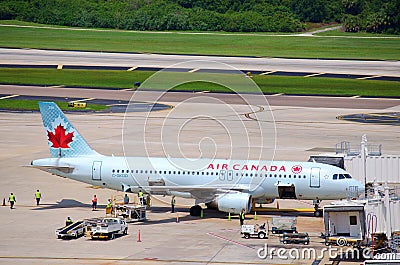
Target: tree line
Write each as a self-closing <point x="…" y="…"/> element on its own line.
<point x="209" y="15"/>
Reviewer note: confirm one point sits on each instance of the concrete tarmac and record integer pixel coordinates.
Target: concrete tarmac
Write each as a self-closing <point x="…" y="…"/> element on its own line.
<point x="28" y="232"/>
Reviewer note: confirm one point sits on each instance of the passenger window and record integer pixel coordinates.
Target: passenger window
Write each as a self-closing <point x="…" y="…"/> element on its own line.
<point x="132" y="171"/>
<point x="141" y="171"/>
<point x="122" y="171"/>
<point x="113" y="170"/>
<point x="117" y="170"/>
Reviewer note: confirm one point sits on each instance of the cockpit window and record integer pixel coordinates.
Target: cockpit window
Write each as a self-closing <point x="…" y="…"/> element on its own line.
<point x="341" y="176"/>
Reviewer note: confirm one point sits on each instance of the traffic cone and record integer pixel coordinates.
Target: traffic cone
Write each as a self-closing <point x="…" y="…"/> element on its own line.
<point x="201" y="214"/>
<point x="138" y="236"/>
<point x="255" y="215"/>
<point x="4" y="201"/>
<point x="229" y="216"/>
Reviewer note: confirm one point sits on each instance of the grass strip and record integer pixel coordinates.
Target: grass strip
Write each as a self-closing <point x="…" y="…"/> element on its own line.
<point x="17" y="104"/>
<point x="217" y="43"/>
<point x="267" y="84"/>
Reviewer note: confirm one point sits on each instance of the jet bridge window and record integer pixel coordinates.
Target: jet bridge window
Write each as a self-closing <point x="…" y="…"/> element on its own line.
<point x="353" y="220"/>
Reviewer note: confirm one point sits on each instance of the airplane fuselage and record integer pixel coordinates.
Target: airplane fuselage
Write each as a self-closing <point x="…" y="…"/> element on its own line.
<point x="261" y="179"/>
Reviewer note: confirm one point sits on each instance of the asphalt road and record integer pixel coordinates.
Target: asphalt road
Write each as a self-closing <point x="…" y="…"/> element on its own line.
<point x="265" y="65"/>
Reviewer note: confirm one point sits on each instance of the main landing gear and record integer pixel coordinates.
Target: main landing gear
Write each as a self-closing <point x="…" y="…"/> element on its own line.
<point x="195" y="210"/>
<point x="318" y="211"/>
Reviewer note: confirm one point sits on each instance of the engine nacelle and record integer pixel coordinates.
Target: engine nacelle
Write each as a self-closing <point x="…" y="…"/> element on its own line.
<point x="234" y="202"/>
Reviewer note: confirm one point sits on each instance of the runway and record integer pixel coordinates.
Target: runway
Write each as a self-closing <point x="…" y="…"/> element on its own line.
<point x="123" y="61"/>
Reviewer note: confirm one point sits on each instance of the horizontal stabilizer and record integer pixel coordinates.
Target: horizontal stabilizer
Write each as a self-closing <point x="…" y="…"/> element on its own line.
<point x="64" y="169"/>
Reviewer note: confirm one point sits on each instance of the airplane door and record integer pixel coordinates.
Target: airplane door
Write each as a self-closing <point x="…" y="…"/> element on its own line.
<point x="96" y="170"/>
<point x="314" y="177"/>
<point x="222" y="175"/>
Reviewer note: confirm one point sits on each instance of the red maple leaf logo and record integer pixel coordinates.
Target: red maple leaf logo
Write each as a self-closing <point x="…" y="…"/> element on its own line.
<point x="59" y="139"/>
<point x="297" y="169"/>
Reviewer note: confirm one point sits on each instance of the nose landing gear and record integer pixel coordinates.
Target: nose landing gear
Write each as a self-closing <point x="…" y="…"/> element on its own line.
<point x="318" y="211"/>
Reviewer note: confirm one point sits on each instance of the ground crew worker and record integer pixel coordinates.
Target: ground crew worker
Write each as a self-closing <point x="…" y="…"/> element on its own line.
<point x="109" y="203"/>
<point x="148" y="201"/>
<point x="141" y="198"/>
<point x="38" y="196"/>
<point x="94" y="203"/>
<point x="68" y="221"/>
<point x="12" y="200"/>
<point x="241" y="217"/>
<point x="109" y="207"/>
<point x="173" y="204"/>
<point x="126" y="199"/>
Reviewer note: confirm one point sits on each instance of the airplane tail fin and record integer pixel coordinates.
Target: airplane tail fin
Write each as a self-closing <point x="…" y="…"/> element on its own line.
<point x="63" y="139"/>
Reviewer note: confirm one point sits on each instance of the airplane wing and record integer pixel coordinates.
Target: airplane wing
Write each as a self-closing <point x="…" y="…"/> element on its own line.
<point x="196" y="191"/>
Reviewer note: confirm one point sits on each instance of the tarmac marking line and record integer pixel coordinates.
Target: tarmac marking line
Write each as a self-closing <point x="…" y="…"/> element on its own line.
<point x="9" y="96"/>
<point x="85" y="99"/>
<point x="229" y="240"/>
<point x="267" y="73"/>
<point x="132" y="68"/>
<point x="201" y="92"/>
<point x="368" y="77"/>
<point x="194" y="70"/>
<point x="311" y="75"/>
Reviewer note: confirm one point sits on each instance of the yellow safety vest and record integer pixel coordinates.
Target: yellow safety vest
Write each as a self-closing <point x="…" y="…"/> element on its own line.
<point x="38" y="195"/>
<point x="140" y="194"/>
<point x="12" y="198"/>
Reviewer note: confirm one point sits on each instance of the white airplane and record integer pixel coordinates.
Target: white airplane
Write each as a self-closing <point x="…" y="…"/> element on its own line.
<point x="230" y="185"/>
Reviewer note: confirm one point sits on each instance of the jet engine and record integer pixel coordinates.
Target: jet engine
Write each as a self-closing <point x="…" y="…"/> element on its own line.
<point x="233" y="202"/>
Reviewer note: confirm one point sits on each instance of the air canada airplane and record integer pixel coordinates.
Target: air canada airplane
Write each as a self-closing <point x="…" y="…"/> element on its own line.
<point x="229" y="185"/>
